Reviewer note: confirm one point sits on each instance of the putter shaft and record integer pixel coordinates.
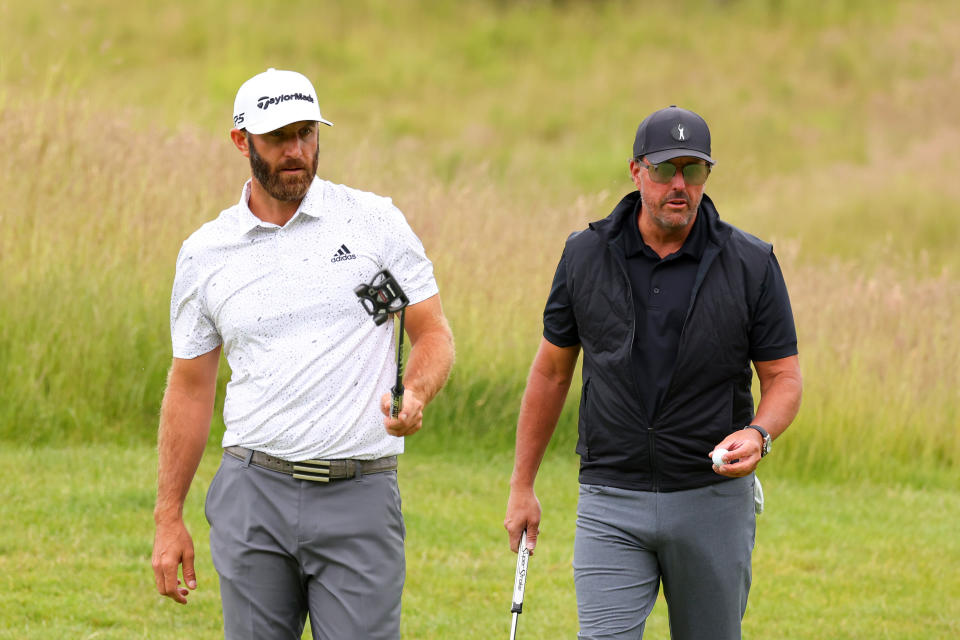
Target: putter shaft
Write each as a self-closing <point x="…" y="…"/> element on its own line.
<point x="397" y="390"/>
<point x="382" y="298"/>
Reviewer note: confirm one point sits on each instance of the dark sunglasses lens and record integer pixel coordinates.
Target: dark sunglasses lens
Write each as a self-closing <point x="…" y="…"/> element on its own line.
<point x="696" y="173"/>
<point x="662" y="172"/>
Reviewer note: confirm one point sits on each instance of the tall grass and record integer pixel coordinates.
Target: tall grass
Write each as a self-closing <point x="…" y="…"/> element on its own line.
<point x="89" y="229"/>
<point x="500" y="132"/>
<point x="881" y="394"/>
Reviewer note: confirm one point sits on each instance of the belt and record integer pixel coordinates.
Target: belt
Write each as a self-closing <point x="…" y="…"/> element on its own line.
<point x="315" y="470"/>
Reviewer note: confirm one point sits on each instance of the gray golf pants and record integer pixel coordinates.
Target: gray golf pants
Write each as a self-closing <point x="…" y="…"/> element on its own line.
<point x="697" y="542"/>
<point x="284" y="547"/>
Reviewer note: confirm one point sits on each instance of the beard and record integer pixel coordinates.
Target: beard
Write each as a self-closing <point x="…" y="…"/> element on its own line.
<point x="671" y="220"/>
<point x="279" y="186"/>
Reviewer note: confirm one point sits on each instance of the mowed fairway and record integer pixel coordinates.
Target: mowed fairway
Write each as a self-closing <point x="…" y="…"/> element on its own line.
<point x="852" y="561"/>
<point x="498" y="128"/>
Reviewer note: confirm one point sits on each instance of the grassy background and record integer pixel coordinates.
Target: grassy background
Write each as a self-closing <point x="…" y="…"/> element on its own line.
<point x="850" y="561"/>
<point x="498" y="128"/>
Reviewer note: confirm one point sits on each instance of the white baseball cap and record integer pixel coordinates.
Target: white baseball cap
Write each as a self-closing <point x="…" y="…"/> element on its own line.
<point x="274" y="99"/>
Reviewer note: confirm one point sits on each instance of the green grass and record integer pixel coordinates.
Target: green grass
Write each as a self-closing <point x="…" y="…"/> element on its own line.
<point x="858" y="560"/>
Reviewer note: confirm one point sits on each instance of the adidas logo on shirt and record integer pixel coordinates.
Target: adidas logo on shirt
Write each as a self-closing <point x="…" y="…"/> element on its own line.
<point x="343" y="254"/>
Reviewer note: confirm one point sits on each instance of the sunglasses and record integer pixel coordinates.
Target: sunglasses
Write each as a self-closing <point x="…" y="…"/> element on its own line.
<point x="693" y="174"/>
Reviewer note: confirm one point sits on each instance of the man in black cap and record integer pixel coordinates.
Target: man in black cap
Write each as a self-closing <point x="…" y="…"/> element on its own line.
<point x="670" y="305"/>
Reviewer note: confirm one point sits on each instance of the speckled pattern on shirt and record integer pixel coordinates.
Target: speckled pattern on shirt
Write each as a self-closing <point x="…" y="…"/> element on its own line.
<point x="308" y="365"/>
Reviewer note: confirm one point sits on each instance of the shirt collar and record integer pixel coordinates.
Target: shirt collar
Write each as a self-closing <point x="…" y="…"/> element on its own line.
<point x="634" y="245"/>
<point x="310" y="205"/>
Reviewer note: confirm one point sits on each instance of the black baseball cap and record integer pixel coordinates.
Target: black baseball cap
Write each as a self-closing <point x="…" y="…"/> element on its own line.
<point x="671" y="133"/>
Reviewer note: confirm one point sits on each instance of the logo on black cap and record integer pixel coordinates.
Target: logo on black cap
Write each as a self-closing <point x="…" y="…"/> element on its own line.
<point x="679" y="132"/>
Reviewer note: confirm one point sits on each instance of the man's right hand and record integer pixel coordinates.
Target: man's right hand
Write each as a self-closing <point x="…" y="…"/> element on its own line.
<point x="173" y="546"/>
<point x="523" y="514"/>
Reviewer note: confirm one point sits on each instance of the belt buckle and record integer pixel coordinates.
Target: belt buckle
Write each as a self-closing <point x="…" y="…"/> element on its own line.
<point x="313" y="470"/>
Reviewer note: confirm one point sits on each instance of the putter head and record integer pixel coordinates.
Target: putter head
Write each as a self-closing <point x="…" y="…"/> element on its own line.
<point x="382" y="296"/>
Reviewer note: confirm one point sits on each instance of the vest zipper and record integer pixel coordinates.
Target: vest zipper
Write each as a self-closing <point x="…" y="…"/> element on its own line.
<point x="710" y="253"/>
<point x="652" y="447"/>
<point x="651" y="432"/>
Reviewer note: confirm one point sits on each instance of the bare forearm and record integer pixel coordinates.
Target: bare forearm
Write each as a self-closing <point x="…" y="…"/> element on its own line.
<point x="779" y="404"/>
<point x="546" y="391"/>
<point x="547" y="388"/>
<point x="184" y="427"/>
<point x="431" y="359"/>
<point x="539" y="412"/>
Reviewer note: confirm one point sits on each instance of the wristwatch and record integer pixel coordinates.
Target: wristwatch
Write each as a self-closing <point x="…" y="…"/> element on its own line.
<point x="767" y="440"/>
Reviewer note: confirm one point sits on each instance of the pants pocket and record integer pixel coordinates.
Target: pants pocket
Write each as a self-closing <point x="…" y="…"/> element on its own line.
<point x="211" y="497"/>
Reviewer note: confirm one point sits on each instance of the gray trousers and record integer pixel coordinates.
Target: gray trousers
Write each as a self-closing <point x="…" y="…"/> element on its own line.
<point x="285" y="547"/>
<point x="697" y="542"/>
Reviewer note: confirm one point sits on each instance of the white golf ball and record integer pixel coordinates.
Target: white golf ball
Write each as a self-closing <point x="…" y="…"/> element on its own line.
<point x="718" y="456"/>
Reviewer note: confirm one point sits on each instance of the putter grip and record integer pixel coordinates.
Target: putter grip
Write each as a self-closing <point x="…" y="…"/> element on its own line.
<point x="520" y="581"/>
<point x="397" y="404"/>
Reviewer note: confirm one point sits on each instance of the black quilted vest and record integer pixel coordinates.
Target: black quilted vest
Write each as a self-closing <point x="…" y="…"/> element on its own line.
<point x="709" y="392"/>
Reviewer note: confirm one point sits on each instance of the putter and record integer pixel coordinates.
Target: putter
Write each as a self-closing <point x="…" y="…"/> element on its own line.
<point x="519" y="583"/>
<point x="382" y="297"/>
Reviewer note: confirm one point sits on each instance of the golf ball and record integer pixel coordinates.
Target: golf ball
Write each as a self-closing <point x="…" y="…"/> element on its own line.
<point x="718" y="456"/>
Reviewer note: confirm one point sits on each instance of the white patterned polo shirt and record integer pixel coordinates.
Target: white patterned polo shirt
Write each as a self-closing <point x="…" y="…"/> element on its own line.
<point x="308" y="364"/>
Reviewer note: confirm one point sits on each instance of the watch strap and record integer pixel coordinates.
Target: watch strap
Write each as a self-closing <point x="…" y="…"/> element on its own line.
<point x="766" y="438"/>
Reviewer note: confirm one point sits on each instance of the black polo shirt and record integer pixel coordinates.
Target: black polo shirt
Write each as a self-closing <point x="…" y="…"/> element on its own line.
<point x="661" y="295"/>
<point x="661" y="289"/>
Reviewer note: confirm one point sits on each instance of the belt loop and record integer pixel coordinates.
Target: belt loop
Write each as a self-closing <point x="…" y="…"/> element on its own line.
<point x="246" y="461"/>
<point x="358" y="470"/>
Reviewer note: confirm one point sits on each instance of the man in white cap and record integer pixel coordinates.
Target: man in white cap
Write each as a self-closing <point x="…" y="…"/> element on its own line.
<point x="304" y="510"/>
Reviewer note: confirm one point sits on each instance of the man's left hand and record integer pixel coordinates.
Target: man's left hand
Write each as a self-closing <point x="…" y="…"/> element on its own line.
<point x="744" y="449"/>
<point x="411" y="414"/>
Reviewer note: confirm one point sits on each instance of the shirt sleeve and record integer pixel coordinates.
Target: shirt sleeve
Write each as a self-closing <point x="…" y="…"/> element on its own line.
<point x="773" y="334"/>
<point x="559" y="322"/>
<point x="406" y="258"/>
<point x="192" y="330"/>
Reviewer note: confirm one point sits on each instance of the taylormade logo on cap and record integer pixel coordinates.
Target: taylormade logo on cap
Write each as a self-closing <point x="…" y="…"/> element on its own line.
<point x="273" y="99"/>
<point x="265" y="101"/>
